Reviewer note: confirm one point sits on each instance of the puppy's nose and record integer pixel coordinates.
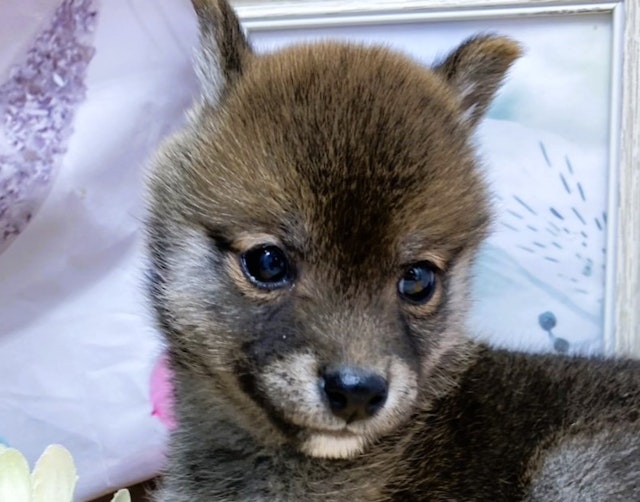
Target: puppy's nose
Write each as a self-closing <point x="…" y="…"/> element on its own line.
<point x="353" y="393"/>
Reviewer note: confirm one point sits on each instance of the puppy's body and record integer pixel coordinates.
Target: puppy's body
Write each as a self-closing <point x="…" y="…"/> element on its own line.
<point x="311" y="233"/>
<point x="517" y="427"/>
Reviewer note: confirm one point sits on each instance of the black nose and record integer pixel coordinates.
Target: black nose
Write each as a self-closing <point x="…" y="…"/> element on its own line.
<point x="353" y="393"/>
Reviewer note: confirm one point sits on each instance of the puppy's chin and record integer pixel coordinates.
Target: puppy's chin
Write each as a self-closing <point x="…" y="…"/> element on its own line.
<point x="333" y="445"/>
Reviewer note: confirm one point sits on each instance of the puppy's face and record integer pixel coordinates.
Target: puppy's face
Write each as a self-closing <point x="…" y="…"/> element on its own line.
<point x="311" y="232"/>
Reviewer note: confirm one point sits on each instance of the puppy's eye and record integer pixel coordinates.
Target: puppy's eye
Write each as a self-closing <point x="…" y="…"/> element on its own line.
<point x="266" y="267"/>
<point x="418" y="283"/>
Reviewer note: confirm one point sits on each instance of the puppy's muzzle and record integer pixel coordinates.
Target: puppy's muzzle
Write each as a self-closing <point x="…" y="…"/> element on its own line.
<point x="353" y="393"/>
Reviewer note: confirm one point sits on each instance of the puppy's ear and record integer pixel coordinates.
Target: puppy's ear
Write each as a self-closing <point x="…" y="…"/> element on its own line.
<point x="223" y="50"/>
<point x="476" y="69"/>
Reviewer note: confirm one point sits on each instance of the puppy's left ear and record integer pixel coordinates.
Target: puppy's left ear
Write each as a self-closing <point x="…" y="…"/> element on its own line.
<point x="476" y="70"/>
<point x="224" y="49"/>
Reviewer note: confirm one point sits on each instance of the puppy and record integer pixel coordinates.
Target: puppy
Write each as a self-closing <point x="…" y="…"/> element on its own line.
<point x="310" y="233"/>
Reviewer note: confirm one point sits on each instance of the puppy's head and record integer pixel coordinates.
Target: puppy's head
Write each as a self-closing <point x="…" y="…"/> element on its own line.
<point x="311" y="232"/>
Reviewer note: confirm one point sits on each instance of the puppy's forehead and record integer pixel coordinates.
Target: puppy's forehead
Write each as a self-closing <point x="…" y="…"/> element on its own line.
<point x="354" y="148"/>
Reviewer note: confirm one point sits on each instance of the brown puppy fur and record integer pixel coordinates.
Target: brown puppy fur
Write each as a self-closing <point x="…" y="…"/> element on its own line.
<point x="311" y="232"/>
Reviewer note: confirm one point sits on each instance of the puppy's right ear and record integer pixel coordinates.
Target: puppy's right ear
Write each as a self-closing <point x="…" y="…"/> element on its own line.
<point x="223" y="50"/>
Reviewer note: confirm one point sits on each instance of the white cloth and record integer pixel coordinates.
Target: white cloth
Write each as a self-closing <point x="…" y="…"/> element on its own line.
<point x="76" y="341"/>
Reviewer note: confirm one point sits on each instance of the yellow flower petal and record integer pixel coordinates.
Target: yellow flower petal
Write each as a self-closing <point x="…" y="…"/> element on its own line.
<point x="54" y="476"/>
<point x="121" y="496"/>
<point x="15" y="484"/>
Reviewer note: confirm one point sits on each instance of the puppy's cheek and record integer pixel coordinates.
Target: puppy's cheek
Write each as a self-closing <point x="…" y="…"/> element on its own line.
<point x="292" y="387"/>
<point x="403" y="391"/>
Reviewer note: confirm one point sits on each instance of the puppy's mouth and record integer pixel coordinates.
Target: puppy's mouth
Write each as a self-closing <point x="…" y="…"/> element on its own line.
<point x="333" y="444"/>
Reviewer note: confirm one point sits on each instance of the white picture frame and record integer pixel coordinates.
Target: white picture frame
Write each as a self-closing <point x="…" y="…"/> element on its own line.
<point x="622" y="277"/>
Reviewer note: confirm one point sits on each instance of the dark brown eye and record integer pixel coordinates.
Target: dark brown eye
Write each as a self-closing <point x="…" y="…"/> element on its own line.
<point x="418" y="284"/>
<point x="267" y="267"/>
